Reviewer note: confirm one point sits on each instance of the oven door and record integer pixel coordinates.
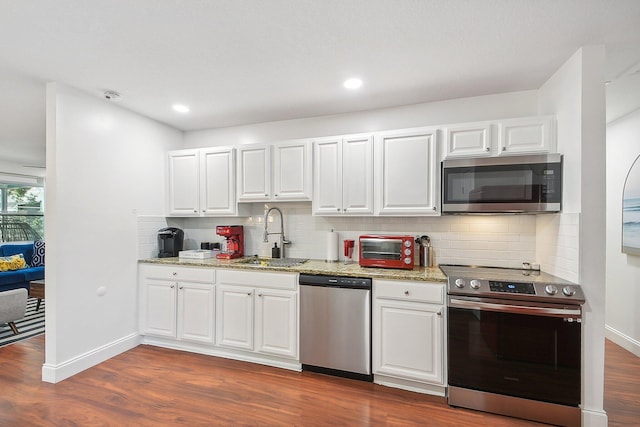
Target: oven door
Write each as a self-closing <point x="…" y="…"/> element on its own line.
<point x="516" y="349"/>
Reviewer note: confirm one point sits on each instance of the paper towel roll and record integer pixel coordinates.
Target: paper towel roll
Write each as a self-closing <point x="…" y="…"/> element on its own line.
<point x="332" y="246"/>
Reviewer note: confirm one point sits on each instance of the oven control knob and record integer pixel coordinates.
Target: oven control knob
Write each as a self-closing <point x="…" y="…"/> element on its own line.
<point x="407" y="243"/>
<point x="569" y="291"/>
<point x="551" y="289"/>
<point x="407" y="251"/>
<point x="460" y="283"/>
<point x="407" y="261"/>
<point x="475" y="284"/>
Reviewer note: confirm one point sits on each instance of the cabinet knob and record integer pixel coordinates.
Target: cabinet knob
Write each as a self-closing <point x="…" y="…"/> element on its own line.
<point x="338" y="209"/>
<point x="406" y="292"/>
<point x="266" y="195"/>
<point x="433" y="208"/>
<point x="504" y="148"/>
<point x="174" y="273"/>
<point x="195" y="210"/>
<point x="173" y="286"/>
<point x="181" y="287"/>
<point x="439" y="314"/>
<point x="275" y="195"/>
<point x="487" y="149"/>
<point x="345" y="209"/>
<point x="259" y="295"/>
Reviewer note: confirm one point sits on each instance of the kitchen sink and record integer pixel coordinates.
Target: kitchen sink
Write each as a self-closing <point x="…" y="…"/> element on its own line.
<point x="272" y="262"/>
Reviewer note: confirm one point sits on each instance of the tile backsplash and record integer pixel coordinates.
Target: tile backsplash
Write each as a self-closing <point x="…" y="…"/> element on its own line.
<point x="493" y="240"/>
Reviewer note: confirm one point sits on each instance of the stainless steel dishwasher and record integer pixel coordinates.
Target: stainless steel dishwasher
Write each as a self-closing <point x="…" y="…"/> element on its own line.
<point x="335" y="325"/>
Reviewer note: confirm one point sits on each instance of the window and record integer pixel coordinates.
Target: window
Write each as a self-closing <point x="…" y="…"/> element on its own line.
<point x="21" y="212"/>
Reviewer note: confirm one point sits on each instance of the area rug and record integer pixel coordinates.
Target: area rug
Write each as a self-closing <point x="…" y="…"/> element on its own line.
<point x="30" y="326"/>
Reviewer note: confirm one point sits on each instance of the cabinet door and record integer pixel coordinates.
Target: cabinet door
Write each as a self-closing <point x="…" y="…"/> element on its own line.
<point x="217" y="182"/>
<point x="408" y="340"/>
<point x="234" y="317"/>
<point x="468" y="140"/>
<point x="158" y="313"/>
<point x="292" y="170"/>
<point x="183" y="197"/>
<point x="254" y="173"/>
<point x="526" y="135"/>
<point x="277" y="323"/>
<point x="357" y="174"/>
<point x="407" y="165"/>
<point x="327" y="171"/>
<point x="195" y="312"/>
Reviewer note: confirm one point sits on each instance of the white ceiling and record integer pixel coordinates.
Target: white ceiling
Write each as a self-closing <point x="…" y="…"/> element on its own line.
<point x="241" y="61"/>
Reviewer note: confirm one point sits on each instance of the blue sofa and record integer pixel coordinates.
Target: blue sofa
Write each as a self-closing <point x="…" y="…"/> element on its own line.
<point x="19" y="278"/>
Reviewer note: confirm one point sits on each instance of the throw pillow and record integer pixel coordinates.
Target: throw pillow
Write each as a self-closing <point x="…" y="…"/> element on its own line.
<point x="38" y="254"/>
<point x="13" y="262"/>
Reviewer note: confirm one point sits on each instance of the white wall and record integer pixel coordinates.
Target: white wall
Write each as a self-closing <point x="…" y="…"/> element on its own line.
<point x="514" y="104"/>
<point x="104" y="166"/>
<point x="623" y="271"/>
<point x="575" y="93"/>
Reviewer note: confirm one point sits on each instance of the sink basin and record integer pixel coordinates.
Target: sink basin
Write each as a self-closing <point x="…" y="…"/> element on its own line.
<point x="273" y="262"/>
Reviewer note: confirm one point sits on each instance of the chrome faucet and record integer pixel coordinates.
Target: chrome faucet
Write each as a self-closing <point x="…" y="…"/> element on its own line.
<point x="283" y="240"/>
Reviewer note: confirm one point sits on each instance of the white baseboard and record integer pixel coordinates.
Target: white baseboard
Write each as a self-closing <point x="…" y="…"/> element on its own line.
<point x="64" y="370"/>
<point x="623" y="340"/>
<point x="594" y="418"/>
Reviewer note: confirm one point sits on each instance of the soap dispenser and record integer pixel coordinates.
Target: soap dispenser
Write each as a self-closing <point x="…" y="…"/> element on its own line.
<point x="275" y="251"/>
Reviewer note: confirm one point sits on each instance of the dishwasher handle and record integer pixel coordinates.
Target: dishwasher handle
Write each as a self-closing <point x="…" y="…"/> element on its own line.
<point x="334" y="281"/>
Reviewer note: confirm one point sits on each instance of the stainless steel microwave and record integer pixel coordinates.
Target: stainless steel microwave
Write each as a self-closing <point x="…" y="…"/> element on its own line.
<point x="510" y="184"/>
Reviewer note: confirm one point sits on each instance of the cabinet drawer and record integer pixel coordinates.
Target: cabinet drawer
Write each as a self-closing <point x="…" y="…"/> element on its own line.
<point x="409" y="291"/>
<point x="261" y="279"/>
<point x="172" y="272"/>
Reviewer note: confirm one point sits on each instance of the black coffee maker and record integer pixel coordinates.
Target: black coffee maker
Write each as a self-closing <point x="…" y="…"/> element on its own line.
<point x="170" y="241"/>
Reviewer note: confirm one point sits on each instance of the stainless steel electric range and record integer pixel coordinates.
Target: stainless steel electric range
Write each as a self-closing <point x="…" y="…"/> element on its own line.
<point x="514" y="343"/>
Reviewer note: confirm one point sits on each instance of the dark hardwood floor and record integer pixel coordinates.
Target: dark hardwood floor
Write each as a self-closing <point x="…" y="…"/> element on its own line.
<point x="151" y="386"/>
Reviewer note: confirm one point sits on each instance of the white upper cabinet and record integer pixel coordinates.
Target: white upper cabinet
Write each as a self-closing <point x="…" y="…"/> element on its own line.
<point x="343" y="175"/>
<point x="217" y="181"/>
<point x="280" y="171"/>
<point x="254" y="173"/>
<point x="407" y="172"/>
<point x="184" y="183"/>
<point x="202" y="182"/>
<point x="526" y="135"/>
<point x="292" y="170"/>
<point x="468" y="140"/>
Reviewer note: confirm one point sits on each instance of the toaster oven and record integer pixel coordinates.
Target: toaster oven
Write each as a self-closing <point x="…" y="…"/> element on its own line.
<point x="386" y="251"/>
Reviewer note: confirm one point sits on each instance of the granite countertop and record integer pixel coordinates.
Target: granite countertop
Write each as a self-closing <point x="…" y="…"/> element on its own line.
<point x="312" y="266"/>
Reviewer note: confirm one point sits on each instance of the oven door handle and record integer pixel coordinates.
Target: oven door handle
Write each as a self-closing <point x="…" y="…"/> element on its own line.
<point x="516" y="309"/>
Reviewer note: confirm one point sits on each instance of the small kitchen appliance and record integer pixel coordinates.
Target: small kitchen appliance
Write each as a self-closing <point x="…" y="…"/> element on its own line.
<point x="509" y="184"/>
<point x="348" y="250"/>
<point x="234" y="244"/>
<point x="386" y="251"/>
<point x="170" y="240"/>
<point x="514" y="343"/>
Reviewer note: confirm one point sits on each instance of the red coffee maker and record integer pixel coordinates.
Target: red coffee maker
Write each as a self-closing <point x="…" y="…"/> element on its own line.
<point x="234" y="247"/>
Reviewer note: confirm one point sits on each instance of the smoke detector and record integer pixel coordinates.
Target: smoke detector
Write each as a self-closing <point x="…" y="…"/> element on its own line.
<point x="112" y="95"/>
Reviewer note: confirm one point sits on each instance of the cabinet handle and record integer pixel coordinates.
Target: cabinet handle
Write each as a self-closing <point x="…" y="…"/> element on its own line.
<point x="487" y="149"/>
<point x="181" y="287"/>
<point x="504" y="148"/>
<point x="439" y="313"/>
<point x="249" y="293"/>
<point x="174" y="273"/>
<point x="406" y="292"/>
<point x="173" y="286"/>
<point x="259" y="295"/>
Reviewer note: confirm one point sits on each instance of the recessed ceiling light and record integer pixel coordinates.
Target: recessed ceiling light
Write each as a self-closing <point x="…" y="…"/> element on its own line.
<point x="353" y="83"/>
<point x="180" y="108"/>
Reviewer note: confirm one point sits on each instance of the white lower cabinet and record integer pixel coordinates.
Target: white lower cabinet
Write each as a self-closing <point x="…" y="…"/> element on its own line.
<point x="259" y="319"/>
<point x="177" y="303"/>
<point x="408" y="335"/>
<point x="240" y="314"/>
